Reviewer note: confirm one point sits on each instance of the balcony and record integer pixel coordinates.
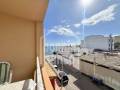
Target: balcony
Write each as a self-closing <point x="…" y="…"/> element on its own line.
<point x="22" y="40"/>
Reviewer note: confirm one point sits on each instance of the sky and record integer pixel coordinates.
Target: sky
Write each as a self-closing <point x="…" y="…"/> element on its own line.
<point x="65" y="19"/>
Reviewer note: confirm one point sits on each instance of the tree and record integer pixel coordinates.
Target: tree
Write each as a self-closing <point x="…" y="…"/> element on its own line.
<point x="117" y="45"/>
<point x="55" y="53"/>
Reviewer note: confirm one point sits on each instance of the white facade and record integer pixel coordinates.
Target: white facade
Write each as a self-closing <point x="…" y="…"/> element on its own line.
<point x="96" y="42"/>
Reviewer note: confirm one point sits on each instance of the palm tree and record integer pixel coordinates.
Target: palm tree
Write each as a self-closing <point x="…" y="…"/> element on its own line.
<point x="55" y="53"/>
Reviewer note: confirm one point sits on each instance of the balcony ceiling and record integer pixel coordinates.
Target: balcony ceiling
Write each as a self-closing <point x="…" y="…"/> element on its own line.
<point x="28" y="9"/>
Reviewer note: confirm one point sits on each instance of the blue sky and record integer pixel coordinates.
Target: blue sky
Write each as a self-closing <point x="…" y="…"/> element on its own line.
<point x="64" y="20"/>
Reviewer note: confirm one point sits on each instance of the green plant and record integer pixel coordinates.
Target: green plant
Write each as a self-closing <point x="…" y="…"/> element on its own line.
<point x="117" y="45"/>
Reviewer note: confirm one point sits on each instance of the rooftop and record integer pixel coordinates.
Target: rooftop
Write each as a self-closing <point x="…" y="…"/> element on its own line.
<point x="111" y="62"/>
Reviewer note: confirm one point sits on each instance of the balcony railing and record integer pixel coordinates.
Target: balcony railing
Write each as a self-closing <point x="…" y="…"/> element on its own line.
<point x="38" y="76"/>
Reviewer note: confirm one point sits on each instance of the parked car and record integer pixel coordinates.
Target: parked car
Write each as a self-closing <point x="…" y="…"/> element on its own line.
<point x="63" y="78"/>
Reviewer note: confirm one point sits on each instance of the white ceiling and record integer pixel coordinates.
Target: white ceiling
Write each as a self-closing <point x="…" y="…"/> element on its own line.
<point x="27" y="9"/>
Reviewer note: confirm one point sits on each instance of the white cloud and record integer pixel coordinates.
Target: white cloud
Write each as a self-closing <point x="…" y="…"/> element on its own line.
<point x="63" y="30"/>
<point x="77" y="25"/>
<point x="104" y="15"/>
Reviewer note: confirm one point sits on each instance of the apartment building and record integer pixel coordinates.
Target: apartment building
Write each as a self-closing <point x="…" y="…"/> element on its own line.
<point x="22" y="43"/>
<point x="96" y="42"/>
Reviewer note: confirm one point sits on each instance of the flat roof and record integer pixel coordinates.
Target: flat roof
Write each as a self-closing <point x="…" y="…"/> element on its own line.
<point x="111" y="62"/>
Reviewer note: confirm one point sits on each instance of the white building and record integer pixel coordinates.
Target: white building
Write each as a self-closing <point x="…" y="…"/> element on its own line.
<point x="96" y="42"/>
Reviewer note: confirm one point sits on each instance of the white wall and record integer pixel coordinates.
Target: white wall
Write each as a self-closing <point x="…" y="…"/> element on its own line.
<point x="96" y="42"/>
<point x="109" y="77"/>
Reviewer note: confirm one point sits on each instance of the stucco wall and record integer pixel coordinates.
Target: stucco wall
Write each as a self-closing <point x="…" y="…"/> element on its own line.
<point x="40" y="41"/>
<point x="17" y="45"/>
<point x="109" y="77"/>
<point x="96" y="42"/>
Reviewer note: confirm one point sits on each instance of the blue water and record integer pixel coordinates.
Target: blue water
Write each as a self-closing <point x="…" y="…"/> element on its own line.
<point x="49" y="50"/>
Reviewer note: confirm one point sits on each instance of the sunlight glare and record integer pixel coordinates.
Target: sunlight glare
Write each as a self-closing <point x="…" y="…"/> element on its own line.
<point x="86" y="3"/>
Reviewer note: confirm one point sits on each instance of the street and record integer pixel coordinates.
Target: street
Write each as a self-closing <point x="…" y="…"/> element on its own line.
<point x="78" y="81"/>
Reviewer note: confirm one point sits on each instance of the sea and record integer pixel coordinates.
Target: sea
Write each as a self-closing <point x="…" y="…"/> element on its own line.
<point x="49" y="50"/>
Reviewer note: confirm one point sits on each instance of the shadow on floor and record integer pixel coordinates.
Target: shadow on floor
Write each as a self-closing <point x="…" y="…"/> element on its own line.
<point x="83" y="82"/>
